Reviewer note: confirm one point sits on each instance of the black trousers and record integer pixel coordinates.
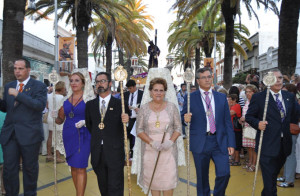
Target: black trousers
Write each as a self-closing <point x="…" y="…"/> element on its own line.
<point x="270" y="168"/>
<point x="110" y="176"/>
<point x="130" y="137"/>
<point x="11" y="155"/>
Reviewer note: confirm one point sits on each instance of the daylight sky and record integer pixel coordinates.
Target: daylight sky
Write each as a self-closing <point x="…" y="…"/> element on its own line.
<point x="160" y="10"/>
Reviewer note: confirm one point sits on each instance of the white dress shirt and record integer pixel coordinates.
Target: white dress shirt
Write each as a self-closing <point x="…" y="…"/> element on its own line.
<point x="106" y="99"/>
<point x="134" y="103"/>
<point x="24" y="82"/>
<point x="281" y="99"/>
<point x="212" y="105"/>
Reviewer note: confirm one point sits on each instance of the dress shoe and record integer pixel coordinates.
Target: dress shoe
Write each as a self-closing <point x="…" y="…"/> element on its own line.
<point x="285" y="184"/>
<point x="281" y="179"/>
<point x="59" y="160"/>
<point x="297" y="176"/>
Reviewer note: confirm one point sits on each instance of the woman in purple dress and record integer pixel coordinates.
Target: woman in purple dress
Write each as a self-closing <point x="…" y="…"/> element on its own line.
<point x="76" y="137"/>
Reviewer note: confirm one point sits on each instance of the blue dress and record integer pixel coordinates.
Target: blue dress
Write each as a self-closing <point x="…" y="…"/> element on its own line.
<point x="76" y="141"/>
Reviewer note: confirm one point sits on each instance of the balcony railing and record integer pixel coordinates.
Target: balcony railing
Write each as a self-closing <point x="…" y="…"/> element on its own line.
<point x="65" y="67"/>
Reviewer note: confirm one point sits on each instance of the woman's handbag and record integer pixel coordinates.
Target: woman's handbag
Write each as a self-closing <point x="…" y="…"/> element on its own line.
<point x="45" y="118"/>
<point x="236" y="123"/>
<point x="294" y="129"/>
<point x="249" y="132"/>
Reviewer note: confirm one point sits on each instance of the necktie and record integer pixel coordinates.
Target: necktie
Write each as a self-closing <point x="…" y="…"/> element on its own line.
<point x="131" y="100"/>
<point x="211" y="117"/>
<point x="103" y="109"/>
<point x="280" y="107"/>
<point x="21" y="87"/>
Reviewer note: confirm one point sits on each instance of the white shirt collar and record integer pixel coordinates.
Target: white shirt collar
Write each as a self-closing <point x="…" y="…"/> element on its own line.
<point x="106" y="99"/>
<point x="24" y="82"/>
<point x="135" y="92"/>
<point x="202" y="91"/>
<point x="273" y="93"/>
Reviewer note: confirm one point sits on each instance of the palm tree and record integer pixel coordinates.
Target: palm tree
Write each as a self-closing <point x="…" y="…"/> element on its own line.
<point x="79" y="14"/>
<point x="230" y="8"/>
<point x="288" y="27"/>
<point x="128" y="32"/>
<point x="12" y="36"/>
<point x="189" y="37"/>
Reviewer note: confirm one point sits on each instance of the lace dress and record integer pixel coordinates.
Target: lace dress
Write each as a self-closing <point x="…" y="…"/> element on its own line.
<point x="59" y="128"/>
<point x="166" y="175"/>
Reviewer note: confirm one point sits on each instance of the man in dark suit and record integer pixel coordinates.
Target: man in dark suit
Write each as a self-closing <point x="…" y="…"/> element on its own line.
<point x="104" y="119"/>
<point x="133" y="98"/>
<point x="211" y="134"/>
<point x="277" y="141"/>
<point x="22" y="133"/>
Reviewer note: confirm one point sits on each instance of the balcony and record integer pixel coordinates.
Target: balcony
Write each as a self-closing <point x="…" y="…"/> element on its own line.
<point x="65" y="67"/>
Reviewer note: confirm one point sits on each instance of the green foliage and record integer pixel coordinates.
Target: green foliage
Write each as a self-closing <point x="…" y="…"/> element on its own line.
<point x="239" y="78"/>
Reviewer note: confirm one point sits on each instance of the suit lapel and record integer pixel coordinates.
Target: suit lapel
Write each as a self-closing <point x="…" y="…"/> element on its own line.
<point x="217" y="110"/>
<point x="28" y="87"/>
<point x="273" y="104"/>
<point x="96" y="106"/>
<point x="199" y="101"/>
<point x="139" y="98"/>
<point x="109" y="109"/>
<point x="286" y="101"/>
<point x="200" y="105"/>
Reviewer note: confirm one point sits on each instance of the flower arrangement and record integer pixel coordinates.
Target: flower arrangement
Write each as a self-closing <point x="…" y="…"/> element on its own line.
<point x="141" y="75"/>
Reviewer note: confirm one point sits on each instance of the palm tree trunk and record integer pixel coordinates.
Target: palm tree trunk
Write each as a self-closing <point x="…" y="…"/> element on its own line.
<point x="128" y="66"/>
<point x="82" y="47"/>
<point x="121" y="56"/>
<point x="197" y="62"/>
<point x="288" y="27"/>
<point x="229" y="14"/>
<point x="83" y="22"/>
<point x="108" y="47"/>
<point x="207" y="50"/>
<point x="12" y="36"/>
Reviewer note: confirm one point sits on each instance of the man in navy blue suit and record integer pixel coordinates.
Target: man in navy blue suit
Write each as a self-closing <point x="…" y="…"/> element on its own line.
<point x="211" y="134"/>
<point x="277" y="141"/>
<point x="22" y="133"/>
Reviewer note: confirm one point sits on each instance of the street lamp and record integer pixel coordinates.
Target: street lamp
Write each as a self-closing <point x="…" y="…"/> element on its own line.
<point x="31" y="5"/>
<point x="199" y="23"/>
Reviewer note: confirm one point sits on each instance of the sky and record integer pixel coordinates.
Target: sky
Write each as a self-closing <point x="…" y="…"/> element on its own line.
<point x="163" y="17"/>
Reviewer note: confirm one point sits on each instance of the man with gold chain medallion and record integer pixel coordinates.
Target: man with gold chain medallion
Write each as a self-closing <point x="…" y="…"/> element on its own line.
<point x="104" y="119"/>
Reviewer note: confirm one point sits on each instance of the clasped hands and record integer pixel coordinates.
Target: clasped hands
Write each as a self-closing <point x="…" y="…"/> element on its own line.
<point x="13" y="92"/>
<point x="158" y="146"/>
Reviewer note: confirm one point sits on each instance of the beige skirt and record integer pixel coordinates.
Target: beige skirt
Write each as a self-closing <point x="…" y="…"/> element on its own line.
<point x="165" y="177"/>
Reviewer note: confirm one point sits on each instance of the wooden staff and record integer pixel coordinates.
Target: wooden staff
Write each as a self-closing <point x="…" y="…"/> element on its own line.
<point x="53" y="78"/>
<point x="188" y="77"/>
<point x="269" y="80"/>
<point x="120" y="75"/>
<point x="162" y="141"/>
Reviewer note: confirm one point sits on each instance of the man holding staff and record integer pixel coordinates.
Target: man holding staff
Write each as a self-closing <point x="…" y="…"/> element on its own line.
<point x="104" y="119"/>
<point x="277" y="141"/>
<point x="211" y="134"/>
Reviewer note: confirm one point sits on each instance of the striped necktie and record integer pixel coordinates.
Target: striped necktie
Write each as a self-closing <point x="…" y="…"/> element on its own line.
<point x="211" y="118"/>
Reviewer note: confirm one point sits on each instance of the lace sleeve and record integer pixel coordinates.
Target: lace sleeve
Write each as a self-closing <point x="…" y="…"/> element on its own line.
<point x="140" y="121"/>
<point x="176" y="118"/>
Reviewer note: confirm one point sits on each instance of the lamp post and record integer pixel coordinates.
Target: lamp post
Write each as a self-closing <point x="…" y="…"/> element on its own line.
<point x="199" y="23"/>
<point x="56" y="38"/>
<point x="31" y="5"/>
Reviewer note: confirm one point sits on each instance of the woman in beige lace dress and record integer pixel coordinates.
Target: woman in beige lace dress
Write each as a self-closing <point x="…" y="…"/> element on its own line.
<point x="155" y="118"/>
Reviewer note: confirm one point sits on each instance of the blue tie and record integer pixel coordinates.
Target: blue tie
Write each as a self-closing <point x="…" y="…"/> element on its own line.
<point x="280" y="107"/>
